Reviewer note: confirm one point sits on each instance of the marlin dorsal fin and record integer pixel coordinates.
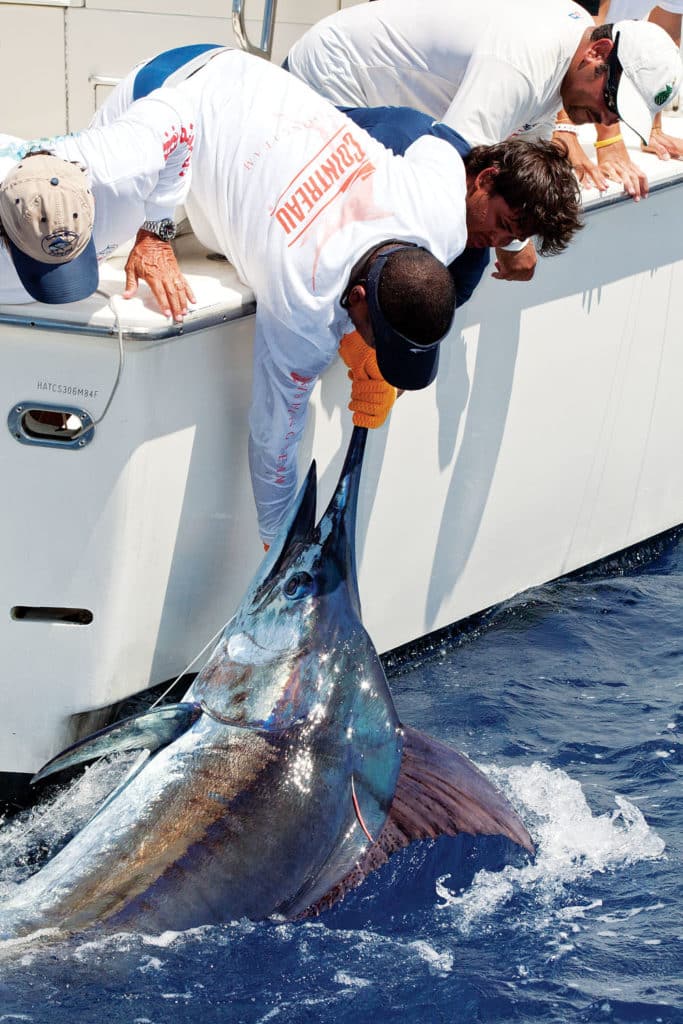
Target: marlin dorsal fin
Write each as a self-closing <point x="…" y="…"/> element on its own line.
<point x="147" y="731"/>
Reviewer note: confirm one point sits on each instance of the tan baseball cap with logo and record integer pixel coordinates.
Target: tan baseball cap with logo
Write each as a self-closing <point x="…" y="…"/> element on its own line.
<point x="651" y="73"/>
<point x="47" y="211"/>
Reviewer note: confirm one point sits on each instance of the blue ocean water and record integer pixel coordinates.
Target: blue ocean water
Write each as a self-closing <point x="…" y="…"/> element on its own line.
<point x="571" y="698"/>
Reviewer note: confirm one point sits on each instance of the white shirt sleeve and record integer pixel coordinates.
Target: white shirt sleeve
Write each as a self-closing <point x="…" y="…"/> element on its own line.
<point x="491" y="102"/>
<point x="539" y="130"/>
<point x="279" y="402"/>
<point x="440" y="191"/>
<point x="143" y="156"/>
<point x="516" y="245"/>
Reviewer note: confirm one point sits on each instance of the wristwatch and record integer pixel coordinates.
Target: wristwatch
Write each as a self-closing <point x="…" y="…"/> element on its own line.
<point x="164" y="229"/>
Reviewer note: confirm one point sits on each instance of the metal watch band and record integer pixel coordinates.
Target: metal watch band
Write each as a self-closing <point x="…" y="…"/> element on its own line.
<point x="163" y="229"/>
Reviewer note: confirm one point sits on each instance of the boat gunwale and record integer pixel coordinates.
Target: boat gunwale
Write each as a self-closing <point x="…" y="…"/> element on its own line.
<point x="216" y="314"/>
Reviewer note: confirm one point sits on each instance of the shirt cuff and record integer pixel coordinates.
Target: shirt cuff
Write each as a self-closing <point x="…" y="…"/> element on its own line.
<point x="515" y="246"/>
<point x="154" y="212"/>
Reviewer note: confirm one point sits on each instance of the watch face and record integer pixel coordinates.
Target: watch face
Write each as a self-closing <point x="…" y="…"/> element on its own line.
<point x="166" y="230"/>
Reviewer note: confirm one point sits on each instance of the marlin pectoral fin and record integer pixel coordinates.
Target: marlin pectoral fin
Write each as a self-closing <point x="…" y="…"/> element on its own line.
<point x="439" y="792"/>
<point x="149" y="731"/>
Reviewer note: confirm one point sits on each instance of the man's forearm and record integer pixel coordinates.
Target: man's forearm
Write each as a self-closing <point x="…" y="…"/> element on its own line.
<point x="274" y="488"/>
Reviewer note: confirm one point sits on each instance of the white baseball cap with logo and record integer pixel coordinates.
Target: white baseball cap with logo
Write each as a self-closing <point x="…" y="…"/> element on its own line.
<point x="47" y="212"/>
<point x="651" y="73"/>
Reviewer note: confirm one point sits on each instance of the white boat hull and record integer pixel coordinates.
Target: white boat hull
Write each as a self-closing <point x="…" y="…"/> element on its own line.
<point x="550" y="440"/>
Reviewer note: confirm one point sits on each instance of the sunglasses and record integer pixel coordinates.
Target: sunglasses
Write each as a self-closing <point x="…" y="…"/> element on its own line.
<point x="613" y="78"/>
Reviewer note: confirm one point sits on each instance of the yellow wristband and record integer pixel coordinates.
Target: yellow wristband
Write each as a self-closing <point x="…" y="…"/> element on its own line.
<point x="607" y="142"/>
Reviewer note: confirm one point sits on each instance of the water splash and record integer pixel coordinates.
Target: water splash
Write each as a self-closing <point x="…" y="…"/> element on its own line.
<point x="572" y="843"/>
<point x="31" y="837"/>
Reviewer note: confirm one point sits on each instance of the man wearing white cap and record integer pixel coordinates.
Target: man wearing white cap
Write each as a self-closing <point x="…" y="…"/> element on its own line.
<point x="490" y="70"/>
<point x="68" y="202"/>
<point x="613" y="159"/>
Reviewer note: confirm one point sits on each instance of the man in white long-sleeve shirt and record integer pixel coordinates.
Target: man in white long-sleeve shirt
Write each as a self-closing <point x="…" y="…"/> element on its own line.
<point x="332" y="232"/>
<point x="489" y="70"/>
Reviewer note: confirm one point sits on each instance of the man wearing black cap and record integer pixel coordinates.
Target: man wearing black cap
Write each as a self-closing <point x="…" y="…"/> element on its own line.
<point x="401" y="301"/>
<point x="331" y="231"/>
<point x="338" y="239"/>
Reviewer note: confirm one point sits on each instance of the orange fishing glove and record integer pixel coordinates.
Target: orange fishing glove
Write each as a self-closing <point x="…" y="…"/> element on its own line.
<point x="371" y="396"/>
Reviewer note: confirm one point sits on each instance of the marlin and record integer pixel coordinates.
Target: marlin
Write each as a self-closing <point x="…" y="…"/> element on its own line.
<point x="284" y="776"/>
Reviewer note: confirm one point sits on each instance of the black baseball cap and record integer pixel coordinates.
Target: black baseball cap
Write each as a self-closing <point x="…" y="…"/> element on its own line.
<point x="405" y="363"/>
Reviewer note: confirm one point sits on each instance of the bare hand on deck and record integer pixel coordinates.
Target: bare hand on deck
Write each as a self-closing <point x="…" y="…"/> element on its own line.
<point x="588" y="173"/>
<point x="515" y="265"/>
<point x="666" y="147"/>
<point x="154" y="262"/>
<point x="616" y="164"/>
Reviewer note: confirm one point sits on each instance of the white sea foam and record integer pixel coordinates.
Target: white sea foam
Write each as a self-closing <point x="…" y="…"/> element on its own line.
<point x="274" y="1011"/>
<point x="150" y="963"/>
<point x="371" y="945"/>
<point x="165" y="939"/>
<point x="571" y="843"/>
<point x="48" y="823"/>
<point x="343" y="978"/>
<point x="441" y="963"/>
<point x="25" y="949"/>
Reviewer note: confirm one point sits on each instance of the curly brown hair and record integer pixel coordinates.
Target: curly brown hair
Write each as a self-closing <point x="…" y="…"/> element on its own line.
<point x="537" y="181"/>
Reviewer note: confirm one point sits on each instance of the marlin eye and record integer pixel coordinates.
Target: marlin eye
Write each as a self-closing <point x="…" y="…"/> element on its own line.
<point x="298" y="585"/>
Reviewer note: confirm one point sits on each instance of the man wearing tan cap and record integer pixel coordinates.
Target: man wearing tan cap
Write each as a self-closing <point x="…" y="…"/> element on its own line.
<point x="47" y="212"/>
<point x="67" y="203"/>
